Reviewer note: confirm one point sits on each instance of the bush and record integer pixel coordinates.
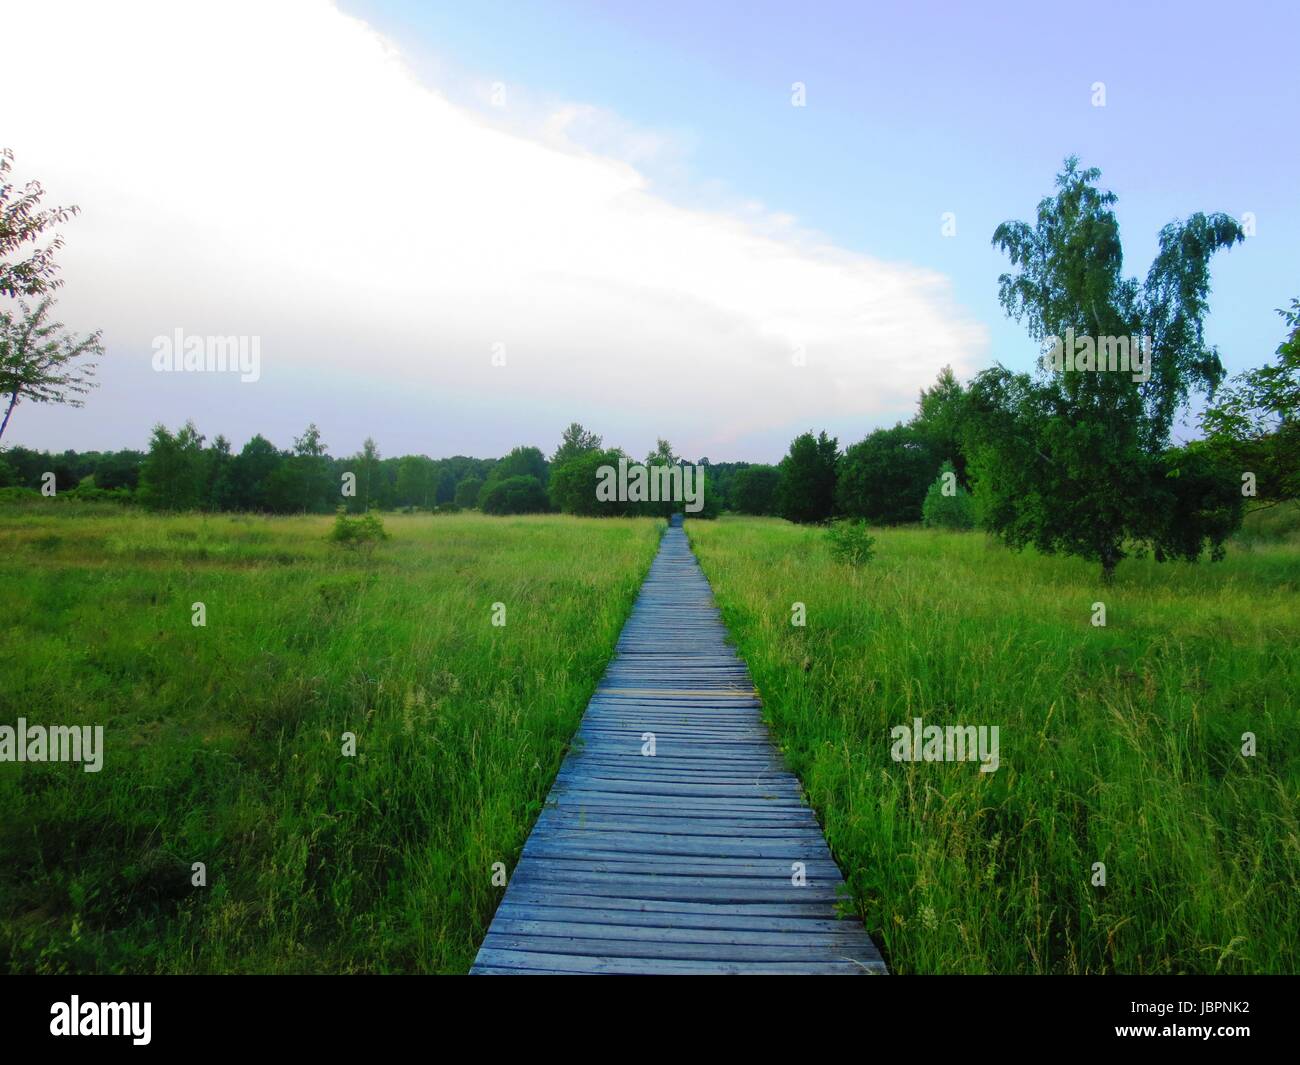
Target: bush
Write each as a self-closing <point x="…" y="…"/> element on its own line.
<point x="955" y="511"/>
<point x="360" y="532"/>
<point x="514" y="495"/>
<point x="850" y="542"/>
<point x="17" y="494"/>
<point x="88" y="493"/>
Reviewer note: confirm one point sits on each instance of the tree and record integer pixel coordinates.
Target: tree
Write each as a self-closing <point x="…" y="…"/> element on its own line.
<point x="172" y="475"/>
<point x="416" y="480"/>
<point x="219" y="472"/>
<point x="301" y="480"/>
<point x="661" y="455"/>
<point x="806" y="492"/>
<point x="884" y="477"/>
<point x="514" y="495"/>
<point x="574" y="483"/>
<point x="119" y="469"/>
<point x="521" y="462"/>
<point x="467" y="493"/>
<point x="22" y="221"/>
<point x="443" y="481"/>
<point x="1072" y="459"/>
<point x="1254" y="423"/>
<point x="754" y="490"/>
<point x="574" y="441"/>
<point x="940" y="417"/>
<point x="947" y="504"/>
<point x="366" y="467"/>
<point x="42" y="363"/>
<point x="251" y="473"/>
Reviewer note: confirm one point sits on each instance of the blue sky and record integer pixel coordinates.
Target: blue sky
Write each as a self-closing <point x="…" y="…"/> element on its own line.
<point x="921" y="108"/>
<point x="660" y="241"/>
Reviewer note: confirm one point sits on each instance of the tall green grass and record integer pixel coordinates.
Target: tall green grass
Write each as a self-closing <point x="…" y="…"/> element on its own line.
<point x="224" y="743"/>
<point x="1119" y="745"/>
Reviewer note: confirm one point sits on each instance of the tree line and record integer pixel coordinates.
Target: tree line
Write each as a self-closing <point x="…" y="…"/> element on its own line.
<point x="1076" y="458"/>
<point x="182" y="470"/>
<point x="1079" y="459"/>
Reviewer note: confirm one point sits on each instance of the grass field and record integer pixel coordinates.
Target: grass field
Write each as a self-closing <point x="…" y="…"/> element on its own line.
<point x="1119" y="745"/>
<point x="224" y="742"/>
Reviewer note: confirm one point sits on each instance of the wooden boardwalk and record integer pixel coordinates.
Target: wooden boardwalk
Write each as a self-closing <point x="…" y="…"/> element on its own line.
<point x="684" y="861"/>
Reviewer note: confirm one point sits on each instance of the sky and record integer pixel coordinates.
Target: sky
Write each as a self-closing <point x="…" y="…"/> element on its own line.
<point x="457" y="228"/>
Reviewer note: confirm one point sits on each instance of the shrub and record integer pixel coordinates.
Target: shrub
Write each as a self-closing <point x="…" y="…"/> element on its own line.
<point x="850" y="542"/>
<point x="363" y="531"/>
<point x="88" y="493"/>
<point x="955" y="511"/>
<point x="17" y="494"/>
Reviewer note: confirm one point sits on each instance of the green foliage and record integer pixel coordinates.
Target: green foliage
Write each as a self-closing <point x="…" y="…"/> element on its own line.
<point x="417" y="482"/>
<point x="40" y="362"/>
<point x="663" y="455"/>
<point x="1073" y="461"/>
<point x="806" y="492"/>
<point x="574" y="483"/>
<point x="1120" y="744"/>
<point x="1254" y="423"/>
<point x="940" y="417"/>
<point x="363" y="531"/>
<point x="23" y="221"/>
<point x="955" y="511"/>
<point x="710" y="497"/>
<point x="467" y="492"/>
<point x="172" y="477"/>
<point x="251" y="472"/>
<point x="574" y="441"/>
<point x="850" y="541"/>
<point x="884" y="477"/>
<point x="119" y="469"/>
<point x="227" y="750"/>
<point x="755" y="489"/>
<point x="370" y="475"/>
<point x="514" y="495"/>
<point x="522" y="462"/>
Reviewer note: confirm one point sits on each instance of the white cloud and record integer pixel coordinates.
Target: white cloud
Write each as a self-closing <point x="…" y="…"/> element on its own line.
<point x="276" y="169"/>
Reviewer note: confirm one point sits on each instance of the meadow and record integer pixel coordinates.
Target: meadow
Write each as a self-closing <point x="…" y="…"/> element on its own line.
<point x="1120" y="744"/>
<point x="224" y="743"/>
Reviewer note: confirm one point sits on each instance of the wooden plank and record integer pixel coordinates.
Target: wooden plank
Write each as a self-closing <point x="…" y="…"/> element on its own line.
<point x="652" y="922"/>
<point x="684" y="861"/>
<point x="572" y="963"/>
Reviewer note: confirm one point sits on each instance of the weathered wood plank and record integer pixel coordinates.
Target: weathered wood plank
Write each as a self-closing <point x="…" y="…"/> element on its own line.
<point x="683" y="861"/>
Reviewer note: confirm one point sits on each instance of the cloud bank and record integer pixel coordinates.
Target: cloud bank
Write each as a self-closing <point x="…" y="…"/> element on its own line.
<point x="277" y="170"/>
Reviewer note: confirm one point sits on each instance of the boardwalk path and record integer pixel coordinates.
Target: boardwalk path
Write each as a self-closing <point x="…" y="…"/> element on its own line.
<point x="681" y="862"/>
